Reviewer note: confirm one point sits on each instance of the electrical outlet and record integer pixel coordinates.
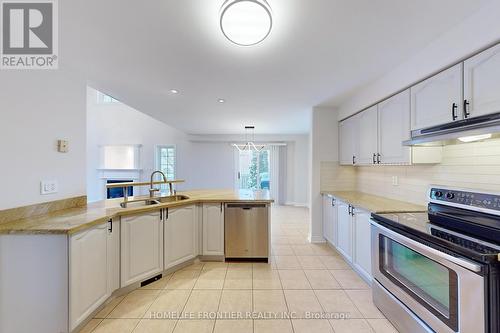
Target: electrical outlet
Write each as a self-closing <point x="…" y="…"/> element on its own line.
<point x="395" y="181"/>
<point x="48" y="186"/>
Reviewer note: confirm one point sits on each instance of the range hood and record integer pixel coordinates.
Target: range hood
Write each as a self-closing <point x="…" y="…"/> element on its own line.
<point x="446" y="134"/>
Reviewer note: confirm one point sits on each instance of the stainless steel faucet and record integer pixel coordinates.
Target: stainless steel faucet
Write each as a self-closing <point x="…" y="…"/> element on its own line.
<point x="152" y="190"/>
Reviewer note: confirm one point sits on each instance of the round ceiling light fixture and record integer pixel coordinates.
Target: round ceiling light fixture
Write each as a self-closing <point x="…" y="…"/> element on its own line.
<point x="246" y="22"/>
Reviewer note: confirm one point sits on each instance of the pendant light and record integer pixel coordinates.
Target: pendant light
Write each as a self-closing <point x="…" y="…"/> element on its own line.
<point x="249" y="145"/>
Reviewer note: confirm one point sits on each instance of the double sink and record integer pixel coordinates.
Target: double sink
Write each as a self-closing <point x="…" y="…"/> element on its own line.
<point x="154" y="200"/>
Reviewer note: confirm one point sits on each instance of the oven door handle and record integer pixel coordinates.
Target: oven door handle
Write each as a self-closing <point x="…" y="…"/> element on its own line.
<point x="426" y="249"/>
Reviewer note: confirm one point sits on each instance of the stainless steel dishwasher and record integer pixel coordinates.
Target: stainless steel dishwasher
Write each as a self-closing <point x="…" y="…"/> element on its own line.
<point x="246" y="230"/>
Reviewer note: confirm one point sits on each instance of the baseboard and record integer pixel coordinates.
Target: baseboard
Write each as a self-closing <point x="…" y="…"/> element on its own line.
<point x="211" y="258"/>
<point x="297" y="204"/>
<point x="317" y="239"/>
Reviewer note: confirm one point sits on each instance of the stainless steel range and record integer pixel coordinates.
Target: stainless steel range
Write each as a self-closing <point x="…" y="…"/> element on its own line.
<point x="440" y="271"/>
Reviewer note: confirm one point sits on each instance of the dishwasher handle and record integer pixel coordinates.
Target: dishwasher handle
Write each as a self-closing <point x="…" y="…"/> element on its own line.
<point x="245" y="206"/>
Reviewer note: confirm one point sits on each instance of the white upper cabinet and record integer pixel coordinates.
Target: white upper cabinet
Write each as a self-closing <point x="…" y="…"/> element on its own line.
<point x="367" y="136"/>
<point x="393" y="129"/>
<point x="482" y="83"/>
<point x="376" y="135"/>
<point x="437" y="100"/>
<point x="213" y="229"/>
<point x="180" y="235"/>
<point x="348" y="132"/>
<point x="141" y="247"/>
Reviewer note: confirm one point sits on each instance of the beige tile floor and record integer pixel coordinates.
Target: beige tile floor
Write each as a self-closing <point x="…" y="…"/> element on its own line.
<point x="309" y="281"/>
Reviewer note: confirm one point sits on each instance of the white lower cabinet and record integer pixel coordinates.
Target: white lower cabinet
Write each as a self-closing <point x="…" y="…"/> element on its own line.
<point x="181" y="235"/>
<point x="141" y="247"/>
<point x="351" y="233"/>
<point x="213" y="229"/>
<point x="330" y="219"/>
<point x="93" y="269"/>
<point x="344" y="243"/>
<point x="113" y="255"/>
<point x="362" y="258"/>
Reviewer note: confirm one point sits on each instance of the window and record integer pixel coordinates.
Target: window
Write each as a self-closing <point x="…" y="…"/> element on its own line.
<point x="105" y="99"/>
<point x="165" y="160"/>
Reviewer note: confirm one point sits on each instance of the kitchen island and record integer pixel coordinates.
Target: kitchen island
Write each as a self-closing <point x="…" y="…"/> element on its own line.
<point x="63" y="266"/>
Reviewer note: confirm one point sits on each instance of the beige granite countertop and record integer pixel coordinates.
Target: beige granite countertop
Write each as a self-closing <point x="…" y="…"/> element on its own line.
<point x="73" y="220"/>
<point x="375" y="204"/>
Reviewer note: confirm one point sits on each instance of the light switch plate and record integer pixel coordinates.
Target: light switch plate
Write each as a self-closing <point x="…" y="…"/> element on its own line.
<point x="62" y="146"/>
<point x="48" y="186"/>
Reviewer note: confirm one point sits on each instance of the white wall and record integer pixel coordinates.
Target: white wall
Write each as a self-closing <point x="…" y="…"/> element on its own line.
<point x="297" y="175"/>
<point x="38" y="107"/>
<point x="478" y="31"/>
<point x="323" y="148"/>
<point x="212" y="165"/>
<point x="119" y="124"/>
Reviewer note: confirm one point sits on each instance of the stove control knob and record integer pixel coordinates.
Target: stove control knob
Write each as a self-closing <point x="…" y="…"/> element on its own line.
<point x="450" y="195"/>
<point x="438" y="194"/>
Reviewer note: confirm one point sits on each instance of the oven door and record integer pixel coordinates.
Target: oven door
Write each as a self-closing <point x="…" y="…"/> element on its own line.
<point x="444" y="291"/>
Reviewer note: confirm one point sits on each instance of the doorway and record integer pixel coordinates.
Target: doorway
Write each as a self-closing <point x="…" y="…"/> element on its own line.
<point x="253" y="169"/>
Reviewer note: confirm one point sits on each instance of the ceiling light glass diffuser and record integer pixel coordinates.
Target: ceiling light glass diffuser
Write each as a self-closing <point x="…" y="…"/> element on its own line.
<point x="246" y="22"/>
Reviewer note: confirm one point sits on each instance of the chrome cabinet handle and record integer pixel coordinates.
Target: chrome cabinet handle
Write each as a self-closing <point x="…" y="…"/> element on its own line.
<point x="374" y="158"/>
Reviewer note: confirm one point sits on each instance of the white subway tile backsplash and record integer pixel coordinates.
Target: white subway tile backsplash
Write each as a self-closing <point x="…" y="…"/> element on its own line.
<point x="334" y="177"/>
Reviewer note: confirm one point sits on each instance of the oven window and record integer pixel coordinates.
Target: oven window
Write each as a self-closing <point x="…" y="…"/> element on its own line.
<point x="430" y="283"/>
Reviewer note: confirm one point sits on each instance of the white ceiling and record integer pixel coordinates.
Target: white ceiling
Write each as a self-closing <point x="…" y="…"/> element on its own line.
<point x="318" y="50"/>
